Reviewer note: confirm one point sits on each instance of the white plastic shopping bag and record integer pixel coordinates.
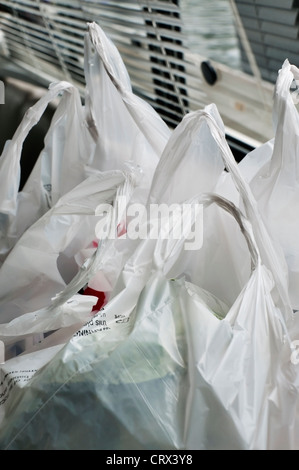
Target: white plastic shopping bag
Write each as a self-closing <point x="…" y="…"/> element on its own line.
<point x="272" y="172"/>
<point x="146" y="372"/>
<point x="28" y="332"/>
<point x="59" y="168"/>
<point x="26" y="349"/>
<point x="50" y="253"/>
<point x="193" y="162"/>
<point x="125" y="127"/>
<point x="243" y="386"/>
<point x="117" y="325"/>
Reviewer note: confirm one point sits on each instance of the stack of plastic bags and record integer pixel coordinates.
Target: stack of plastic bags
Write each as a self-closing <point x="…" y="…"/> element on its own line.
<point x="172" y="329"/>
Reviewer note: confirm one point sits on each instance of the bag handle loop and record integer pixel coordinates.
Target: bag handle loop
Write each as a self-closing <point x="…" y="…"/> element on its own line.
<point x="168" y="247"/>
<point x="12" y="151"/>
<point x="267" y="251"/>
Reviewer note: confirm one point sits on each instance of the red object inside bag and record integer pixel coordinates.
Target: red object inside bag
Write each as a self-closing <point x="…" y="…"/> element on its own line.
<point x="101" y="298"/>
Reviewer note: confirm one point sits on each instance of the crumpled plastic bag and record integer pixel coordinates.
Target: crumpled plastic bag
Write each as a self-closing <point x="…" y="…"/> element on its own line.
<point x="50" y="253"/>
<point x="197" y="153"/>
<point x="143" y="373"/>
<point x="272" y="173"/>
<point x="125" y="127"/>
<point x="58" y="169"/>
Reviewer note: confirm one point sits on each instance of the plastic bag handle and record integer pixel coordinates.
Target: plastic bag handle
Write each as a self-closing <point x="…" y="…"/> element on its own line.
<point x="285" y="116"/>
<point x="287" y="74"/>
<point x="90" y="60"/>
<point x="35" y="112"/>
<point x="118" y="75"/>
<point x="165" y="251"/>
<point x="11" y="155"/>
<point x="246" y="228"/>
<point x="284" y="81"/>
<point x="243" y="222"/>
<point x="93" y="264"/>
<point x="145" y="117"/>
<point x="38" y="321"/>
<point x="263" y="240"/>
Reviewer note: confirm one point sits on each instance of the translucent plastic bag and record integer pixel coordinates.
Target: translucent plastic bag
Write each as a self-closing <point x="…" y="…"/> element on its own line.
<point x="137" y="375"/>
<point x="31" y="341"/>
<point x="272" y="172"/>
<point x="35" y="337"/>
<point x="193" y="163"/>
<point x="59" y="168"/>
<point x="125" y="127"/>
<point x="50" y="253"/>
